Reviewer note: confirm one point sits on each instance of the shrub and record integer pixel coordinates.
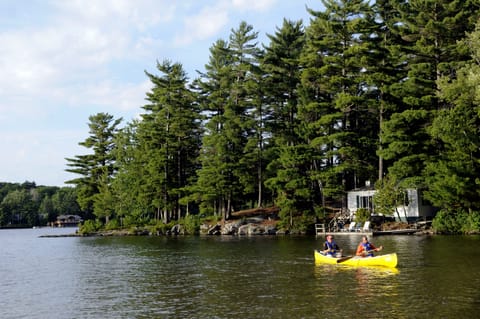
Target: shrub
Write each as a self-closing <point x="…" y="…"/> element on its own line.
<point x="90" y="226"/>
<point x="471" y="225"/>
<point x="362" y="215"/>
<point x="160" y="228"/>
<point x="300" y="224"/>
<point x="112" y="224"/>
<point x="191" y="223"/>
<point x="449" y="222"/>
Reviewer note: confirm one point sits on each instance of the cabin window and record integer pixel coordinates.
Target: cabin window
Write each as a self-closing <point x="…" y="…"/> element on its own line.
<point x="365" y="202"/>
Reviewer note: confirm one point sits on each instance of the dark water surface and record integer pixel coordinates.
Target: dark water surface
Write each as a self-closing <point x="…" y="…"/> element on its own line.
<point x="231" y="277"/>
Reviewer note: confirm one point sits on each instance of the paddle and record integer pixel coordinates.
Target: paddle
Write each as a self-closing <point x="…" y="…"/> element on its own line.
<point x="342" y="259"/>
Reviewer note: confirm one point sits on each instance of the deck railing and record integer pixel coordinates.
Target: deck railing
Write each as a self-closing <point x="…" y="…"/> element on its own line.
<point x="320" y="229"/>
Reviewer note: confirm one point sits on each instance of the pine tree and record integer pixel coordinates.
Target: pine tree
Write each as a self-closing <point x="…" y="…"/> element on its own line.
<point x="289" y="159"/>
<point x="230" y="98"/>
<point x="213" y="184"/>
<point x="248" y="110"/>
<point x="452" y="176"/>
<point x="282" y="70"/>
<point x="132" y="202"/>
<point x="427" y="33"/>
<point x="168" y="141"/>
<point x="339" y="124"/>
<point x="97" y="168"/>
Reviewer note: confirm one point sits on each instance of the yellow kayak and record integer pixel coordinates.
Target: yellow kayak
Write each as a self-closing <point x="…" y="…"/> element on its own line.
<point x="388" y="260"/>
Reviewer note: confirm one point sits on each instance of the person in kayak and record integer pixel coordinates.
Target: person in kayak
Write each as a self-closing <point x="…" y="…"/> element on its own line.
<point x="330" y="247"/>
<point x="366" y="248"/>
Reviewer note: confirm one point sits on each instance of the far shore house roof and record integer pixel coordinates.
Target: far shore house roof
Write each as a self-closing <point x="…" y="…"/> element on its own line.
<point x="68" y="220"/>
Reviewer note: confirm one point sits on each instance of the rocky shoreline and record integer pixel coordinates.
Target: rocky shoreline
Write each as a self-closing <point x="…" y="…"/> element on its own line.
<point x="252" y="226"/>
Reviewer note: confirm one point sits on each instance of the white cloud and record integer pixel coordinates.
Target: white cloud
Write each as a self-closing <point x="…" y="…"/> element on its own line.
<point x="139" y="14"/>
<point x="112" y="97"/>
<point x="207" y="23"/>
<point x="210" y="20"/>
<point x="255" y="5"/>
<point x="39" y="156"/>
<point x="71" y="55"/>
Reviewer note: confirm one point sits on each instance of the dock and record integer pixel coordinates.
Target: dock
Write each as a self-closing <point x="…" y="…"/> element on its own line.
<point x="320" y="230"/>
<point x="395" y="232"/>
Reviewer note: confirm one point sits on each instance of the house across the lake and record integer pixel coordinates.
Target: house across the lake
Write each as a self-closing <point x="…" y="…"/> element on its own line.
<point x="68" y="221"/>
<point x="414" y="207"/>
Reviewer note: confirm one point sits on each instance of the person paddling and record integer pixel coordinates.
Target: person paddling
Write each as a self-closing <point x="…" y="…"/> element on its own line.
<point x="330" y="247"/>
<point x="366" y="248"/>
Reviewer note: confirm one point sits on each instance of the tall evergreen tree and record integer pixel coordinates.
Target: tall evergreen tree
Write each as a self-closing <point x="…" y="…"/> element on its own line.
<point x="248" y="110"/>
<point x="453" y="176"/>
<point x="289" y="160"/>
<point x="96" y="169"/>
<point x="282" y="69"/>
<point x="335" y="108"/>
<point x="230" y="98"/>
<point x="214" y="184"/>
<point x="383" y="68"/>
<point x="168" y="140"/>
<point x="131" y="200"/>
<point x="428" y="32"/>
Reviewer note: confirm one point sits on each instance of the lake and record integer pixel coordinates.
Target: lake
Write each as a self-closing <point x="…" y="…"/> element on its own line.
<point x="232" y="277"/>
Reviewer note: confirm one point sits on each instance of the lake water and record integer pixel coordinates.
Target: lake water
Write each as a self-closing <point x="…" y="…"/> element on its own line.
<point x="232" y="277"/>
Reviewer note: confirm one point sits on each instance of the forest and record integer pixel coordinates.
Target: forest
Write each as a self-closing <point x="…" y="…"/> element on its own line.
<point x="387" y="92"/>
<point x="28" y="204"/>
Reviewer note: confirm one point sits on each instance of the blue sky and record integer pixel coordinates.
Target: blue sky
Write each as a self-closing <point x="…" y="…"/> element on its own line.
<point x="64" y="60"/>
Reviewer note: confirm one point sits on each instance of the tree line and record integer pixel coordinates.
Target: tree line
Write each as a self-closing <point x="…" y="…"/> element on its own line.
<point x="27" y="205"/>
<point x="384" y="91"/>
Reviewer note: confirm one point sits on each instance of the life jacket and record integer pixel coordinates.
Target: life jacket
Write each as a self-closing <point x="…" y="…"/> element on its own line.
<point x="367" y="247"/>
<point x="331" y="246"/>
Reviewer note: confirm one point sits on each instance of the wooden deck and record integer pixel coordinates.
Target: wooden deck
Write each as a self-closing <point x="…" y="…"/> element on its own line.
<point x="320" y="230"/>
<point x="395" y="232"/>
<point x="350" y="233"/>
<point x="370" y="233"/>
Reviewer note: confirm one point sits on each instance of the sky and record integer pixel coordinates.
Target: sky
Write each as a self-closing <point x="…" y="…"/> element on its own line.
<point x="64" y="60"/>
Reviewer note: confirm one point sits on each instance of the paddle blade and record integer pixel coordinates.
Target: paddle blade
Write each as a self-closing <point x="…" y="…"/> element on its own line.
<point x="342" y="259"/>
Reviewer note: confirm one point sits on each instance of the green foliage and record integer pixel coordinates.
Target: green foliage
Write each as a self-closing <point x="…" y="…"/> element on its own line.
<point x="405" y="132"/>
<point x="133" y="220"/>
<point x="456" y="222"/>
<point x="390" y="195"/>
<point x="160" y="227"/>
<point x="339" y="116"/>
<point x="27" y="205"/>
<point x="299" y="224"/>
<point x="362" y="215"/>
<point x="233" y="142"/>
<point x="292" y="184"/>
<point x="446" y="222"/>
<point x="112" y="224"/>
<point x="90" y="226"/>
<point x="452" y="174"/>
<point x="160" y="152"/>
<point x="22" y="206"/>
<point x="95" y="169"/>
<point x="472" y="223"/>
<point x="191" y="224"/>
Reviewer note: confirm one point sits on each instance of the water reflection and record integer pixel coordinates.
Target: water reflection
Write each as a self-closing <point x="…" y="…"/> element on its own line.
<point x="229" y="277"/>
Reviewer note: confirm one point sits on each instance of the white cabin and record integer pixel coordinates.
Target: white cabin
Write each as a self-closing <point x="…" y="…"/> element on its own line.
<point x="415" y="208"/>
